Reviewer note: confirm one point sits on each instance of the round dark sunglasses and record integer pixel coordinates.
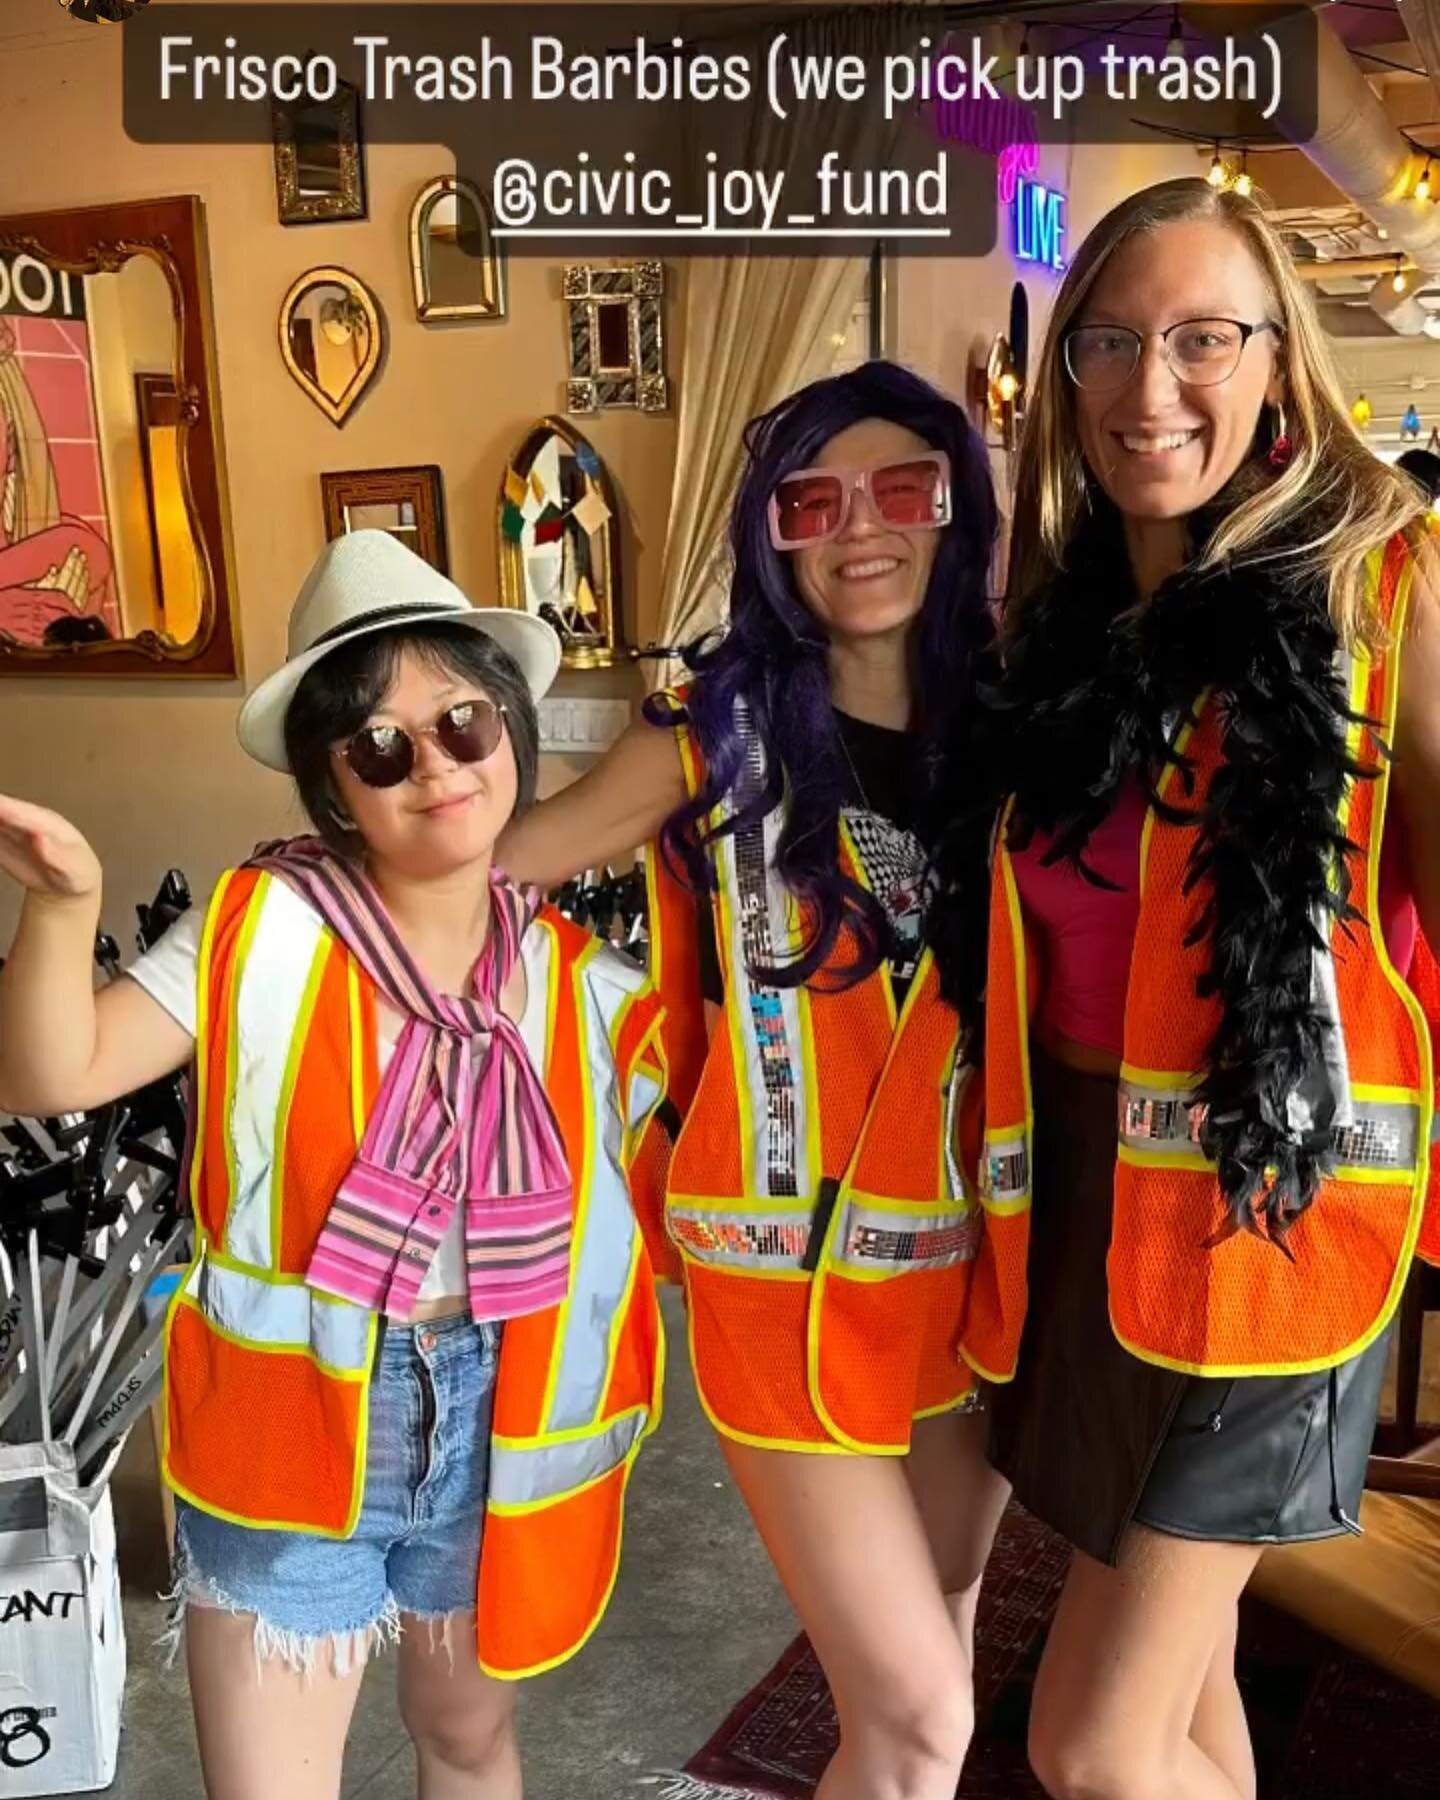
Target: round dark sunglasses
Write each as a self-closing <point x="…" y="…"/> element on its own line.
<point x="383" y="756"/>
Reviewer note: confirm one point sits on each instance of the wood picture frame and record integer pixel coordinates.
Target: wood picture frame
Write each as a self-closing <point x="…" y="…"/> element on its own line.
<point x="407" y="502"/>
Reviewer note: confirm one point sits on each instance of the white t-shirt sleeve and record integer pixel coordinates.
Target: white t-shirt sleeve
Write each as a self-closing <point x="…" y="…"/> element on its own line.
<point x="168" y="971"/>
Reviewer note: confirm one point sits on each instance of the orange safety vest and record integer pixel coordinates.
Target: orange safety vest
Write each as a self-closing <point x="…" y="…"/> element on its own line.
<point x="268" y="1382"/>
<point x="824" y="1226"/>
<point x="1239" y="1308"/>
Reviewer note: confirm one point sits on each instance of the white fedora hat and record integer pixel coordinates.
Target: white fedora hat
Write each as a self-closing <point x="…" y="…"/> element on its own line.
<point x="367" y="581"/>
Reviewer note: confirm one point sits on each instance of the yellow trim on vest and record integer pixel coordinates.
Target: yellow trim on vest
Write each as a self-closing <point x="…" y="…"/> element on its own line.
<point x="202" y="1025"/>
<point x="261" y="1348"/>
<point x="362" y="1441"/>
<point x="766" y="1203"/>
<point x="554" y="1662"/>
<point x="809" y="1177"/>
<point x="1159" y="1078"/>
<point x="847" y="841"/>
<point x="746" y="1437"/>
<point x="309" y="995"/>
<point x="357" y="1049"/>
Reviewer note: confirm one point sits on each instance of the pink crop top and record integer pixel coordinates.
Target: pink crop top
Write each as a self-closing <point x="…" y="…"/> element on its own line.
<point x="1082" y="934"/>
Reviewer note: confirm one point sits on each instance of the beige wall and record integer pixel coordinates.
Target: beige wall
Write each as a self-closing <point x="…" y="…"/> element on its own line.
<point x="150" y="770"/>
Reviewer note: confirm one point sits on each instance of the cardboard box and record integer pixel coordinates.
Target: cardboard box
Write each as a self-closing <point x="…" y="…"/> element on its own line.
<point x="62" y="1637"/>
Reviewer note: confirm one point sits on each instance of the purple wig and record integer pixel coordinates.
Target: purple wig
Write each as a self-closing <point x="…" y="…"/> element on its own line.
<point x="772" y="655"/>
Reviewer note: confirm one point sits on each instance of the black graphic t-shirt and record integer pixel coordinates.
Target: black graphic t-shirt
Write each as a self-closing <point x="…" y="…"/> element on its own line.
<point x="883" y="771"/>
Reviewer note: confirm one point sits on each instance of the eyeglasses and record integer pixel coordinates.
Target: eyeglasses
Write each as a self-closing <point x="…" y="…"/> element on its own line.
<point x="383" y="756"/>
<point x="1200" y="352"/>
<point x="909" y="494"/>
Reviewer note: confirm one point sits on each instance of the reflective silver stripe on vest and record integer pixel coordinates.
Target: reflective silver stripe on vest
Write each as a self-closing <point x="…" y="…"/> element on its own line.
<point x="607" y="1234"/>
<point x="870" y="1238"/>
<point x="1006" y="1170"/>
<point x="282" y="1315"/>
<point x="521" y="1475"/>
<point x="1385" y="1133"/>
<point x="750" y="1240"/>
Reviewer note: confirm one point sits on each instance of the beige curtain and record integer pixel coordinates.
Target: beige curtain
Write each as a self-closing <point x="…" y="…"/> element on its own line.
<point x="757" y="328"/>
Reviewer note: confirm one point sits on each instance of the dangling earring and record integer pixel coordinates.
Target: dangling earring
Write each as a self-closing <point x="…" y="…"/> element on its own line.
<point x="341" y="818"/>
<point x="1281" y="449"/>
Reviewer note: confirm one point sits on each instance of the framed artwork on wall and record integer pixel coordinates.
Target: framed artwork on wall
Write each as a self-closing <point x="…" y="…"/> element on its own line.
<point x="408" y="503"/>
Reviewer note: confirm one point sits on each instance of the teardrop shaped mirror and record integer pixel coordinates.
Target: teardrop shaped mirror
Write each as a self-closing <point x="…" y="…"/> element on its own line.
<point x="332" y="337"/>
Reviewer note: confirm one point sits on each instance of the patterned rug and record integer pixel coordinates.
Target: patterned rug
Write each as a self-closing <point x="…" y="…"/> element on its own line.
<point x="1327" y="1726"/>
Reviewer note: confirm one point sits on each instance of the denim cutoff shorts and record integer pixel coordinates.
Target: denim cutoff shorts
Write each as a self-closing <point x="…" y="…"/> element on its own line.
<point x="416" y="1544"/>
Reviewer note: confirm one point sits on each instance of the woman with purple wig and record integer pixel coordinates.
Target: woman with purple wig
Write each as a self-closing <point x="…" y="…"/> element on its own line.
<point x="815" y="1198"/>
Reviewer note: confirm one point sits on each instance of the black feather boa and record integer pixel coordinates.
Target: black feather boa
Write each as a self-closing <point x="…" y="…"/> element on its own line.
<point x="1091" y="691"/>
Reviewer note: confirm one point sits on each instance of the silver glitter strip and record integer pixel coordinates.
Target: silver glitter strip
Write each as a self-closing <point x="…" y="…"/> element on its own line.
<point x="767" y="1016"/>
<point x="936" y="1242"/>
<point x="1384" y="1135"/>
<point x="776" y="1242"/>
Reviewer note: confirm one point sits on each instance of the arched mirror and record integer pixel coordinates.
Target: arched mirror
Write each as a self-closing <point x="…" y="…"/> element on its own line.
<point x="558" y="529"/>
<point x="455" y="259"/>
<point x="332" y="337"/>
<point x="114" y="558"/>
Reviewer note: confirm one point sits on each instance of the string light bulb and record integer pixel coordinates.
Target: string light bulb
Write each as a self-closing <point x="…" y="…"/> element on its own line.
<point x="1176" y="39"/>
<point x="1216" y="177"/>
<point x="1360" y="411"/>
<point x="1008" y="385"/>
<point x="1422" y="186"/>
<point x="1381" y="233"/>
<point x="1398" y="280"/>
<point x="1244" y="186"/>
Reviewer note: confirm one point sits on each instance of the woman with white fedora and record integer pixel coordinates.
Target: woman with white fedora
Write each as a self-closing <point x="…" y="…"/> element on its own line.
<point x="418" y="1347"/>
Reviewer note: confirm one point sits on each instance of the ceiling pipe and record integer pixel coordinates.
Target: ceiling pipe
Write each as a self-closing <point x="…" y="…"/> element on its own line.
<point x="1355" y="144"/>
<point x="1342" y="268"/>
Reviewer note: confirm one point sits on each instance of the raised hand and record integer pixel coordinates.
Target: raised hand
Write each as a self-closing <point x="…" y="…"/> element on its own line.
<point x="45" y="853"/>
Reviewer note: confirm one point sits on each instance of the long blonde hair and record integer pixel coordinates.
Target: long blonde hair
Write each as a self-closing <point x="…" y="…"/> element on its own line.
<point x="1336" y="493"/>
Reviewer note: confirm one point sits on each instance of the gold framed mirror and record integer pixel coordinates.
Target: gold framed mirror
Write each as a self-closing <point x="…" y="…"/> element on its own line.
<point x="558" y="537"/>
<point x="332" y="337"/>
<point x="456" y="264"/>
<point x="114" y="533"/>
<point x="319" y="158"/>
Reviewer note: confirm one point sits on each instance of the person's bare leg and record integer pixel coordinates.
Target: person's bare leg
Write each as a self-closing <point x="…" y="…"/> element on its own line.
<point x="960" y="1499"/>
<point x="847" y="1539"/>
<point x="1219" y="1726"/>
<point x="1124" y="1669"/>
<point x="460" y="1720"/>
<point x="264" y="1728"/>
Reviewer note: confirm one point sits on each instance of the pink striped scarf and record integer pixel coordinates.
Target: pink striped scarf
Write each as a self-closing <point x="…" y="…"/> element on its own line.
<point x="461" y="1118"/>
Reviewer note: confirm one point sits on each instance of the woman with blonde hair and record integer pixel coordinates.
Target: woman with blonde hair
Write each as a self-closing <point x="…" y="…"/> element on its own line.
<point x="1214" y="762"/>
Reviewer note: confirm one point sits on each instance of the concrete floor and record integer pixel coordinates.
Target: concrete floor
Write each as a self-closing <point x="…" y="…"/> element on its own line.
<point x="696" y="1619"/>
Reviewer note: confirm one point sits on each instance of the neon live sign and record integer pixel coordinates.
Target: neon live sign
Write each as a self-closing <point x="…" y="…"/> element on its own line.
<point x="1037" y="212"/>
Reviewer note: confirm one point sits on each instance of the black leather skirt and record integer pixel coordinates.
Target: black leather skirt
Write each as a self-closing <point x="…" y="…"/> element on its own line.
<point x="1093" y="1439"/>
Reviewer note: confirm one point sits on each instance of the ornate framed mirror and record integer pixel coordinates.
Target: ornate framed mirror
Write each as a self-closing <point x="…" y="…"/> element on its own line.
<point x="319" y="158"/>
<point x="114" y="536"/>
<point x="455" y="259"/>
<point x="332" y="337"/>
<point x="617" y="337"/>
<point x="558" y="527"/>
